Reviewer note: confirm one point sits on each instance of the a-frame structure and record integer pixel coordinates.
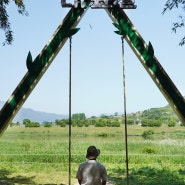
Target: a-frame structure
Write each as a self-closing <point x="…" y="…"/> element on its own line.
<point x="38" y="67"/>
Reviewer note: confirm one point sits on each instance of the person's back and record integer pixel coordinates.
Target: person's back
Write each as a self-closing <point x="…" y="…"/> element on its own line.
<point x="92" y="172"/>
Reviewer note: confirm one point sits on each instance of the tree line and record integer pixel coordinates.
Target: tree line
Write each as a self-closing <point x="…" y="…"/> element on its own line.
<point x="148" y="118"/>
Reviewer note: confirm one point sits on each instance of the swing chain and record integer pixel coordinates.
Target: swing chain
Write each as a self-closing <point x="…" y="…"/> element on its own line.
<point x="125" y="114"/>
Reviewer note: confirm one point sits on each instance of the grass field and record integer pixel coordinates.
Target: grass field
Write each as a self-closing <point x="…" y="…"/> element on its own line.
<point x="40" y="155"/>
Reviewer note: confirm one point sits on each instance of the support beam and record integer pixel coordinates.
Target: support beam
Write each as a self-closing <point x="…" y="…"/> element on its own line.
<point x="38" y="67"/>
<point x="145" y="53"/>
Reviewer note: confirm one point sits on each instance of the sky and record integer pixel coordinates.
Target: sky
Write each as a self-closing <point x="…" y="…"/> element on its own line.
<point x="97" y="75"/>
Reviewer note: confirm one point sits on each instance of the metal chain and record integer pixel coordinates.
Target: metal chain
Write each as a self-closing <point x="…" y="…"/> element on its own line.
<point x="69" y="160"/>
<point x="125" y="113"/>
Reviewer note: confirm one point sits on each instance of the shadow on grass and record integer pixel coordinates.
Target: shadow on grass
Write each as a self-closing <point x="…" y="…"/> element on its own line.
<point x="148" y="176"/>
<point x="5" y="179"/>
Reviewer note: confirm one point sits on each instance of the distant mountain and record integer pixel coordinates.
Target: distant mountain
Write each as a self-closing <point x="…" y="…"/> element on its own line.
<point x="155" y="113"/>
<point x="36" y="116"/>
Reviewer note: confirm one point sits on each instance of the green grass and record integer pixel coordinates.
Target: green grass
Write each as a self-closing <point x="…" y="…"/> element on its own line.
<point x="40" y="155"/>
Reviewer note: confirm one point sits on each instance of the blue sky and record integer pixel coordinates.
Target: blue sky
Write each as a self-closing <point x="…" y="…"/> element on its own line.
<point x="97" y="83"/>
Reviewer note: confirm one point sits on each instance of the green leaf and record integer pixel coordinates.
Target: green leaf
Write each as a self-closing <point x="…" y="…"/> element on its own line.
<point x="150" y="49"/>
<point x="116" y="25"/>
<point x="72" y="32"/>
<point x="29" y="61"/>
<point x="118" y="32"/>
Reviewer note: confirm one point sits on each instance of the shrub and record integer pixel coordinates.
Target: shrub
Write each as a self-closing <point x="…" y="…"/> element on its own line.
<point x="115" y="124"/>
<point x="47" y="124"/>
<point x="80" y="123"/>
<point x="147" y="134"/>
<point x="86" y="123"/>
<point x="100" y="123"/>
<point x="149" y="150"/>
<point x="130" y="122"/>
<point x="102" y="135"/>
<point x="32" y="124"/>
<point x="63" y="124"/>
<point x="171" y="123"/>
<point x="151" y="123"/>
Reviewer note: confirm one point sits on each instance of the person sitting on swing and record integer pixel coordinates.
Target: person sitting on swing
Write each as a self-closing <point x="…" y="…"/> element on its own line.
<point x="92" y="172"/>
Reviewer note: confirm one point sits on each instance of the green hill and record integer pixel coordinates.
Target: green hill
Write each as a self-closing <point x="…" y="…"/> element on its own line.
<point x="163" y="113"/>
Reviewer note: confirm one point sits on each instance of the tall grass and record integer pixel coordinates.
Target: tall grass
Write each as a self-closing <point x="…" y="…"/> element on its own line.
<point x="41" y="154"/>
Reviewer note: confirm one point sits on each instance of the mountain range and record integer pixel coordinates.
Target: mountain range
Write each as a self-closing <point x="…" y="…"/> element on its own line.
<point x="35" y="116"/>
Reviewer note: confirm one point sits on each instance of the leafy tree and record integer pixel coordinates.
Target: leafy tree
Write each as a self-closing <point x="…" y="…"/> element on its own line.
<point x="63" y="123"/>
<point x="78" y="116"/>
<point x="57" y="122"/>
<point x="93" y="116"/>
<point x="26" y="121"/>
<point x="36" y="124"/>
<point x="80" y="123"/>
<point x="32" y="124"/>
<point x="176" y="4"/>
<point x="47" y="124"/>
<point x="151" y="123"/>
<point x="157" y="123"/>
<point x="4" y="18"/>
<point x="108" y="123"/>
<point x="17" y="123"/>
<point x="14" y="124"/>
<point x="171" y="123"/>
<point x="92" y="121"/>
<point x="115" y="124"/>
<point x="74" y="123"/>
<point x="104" y="116"/>
<point x="116" y="114"/>
<point x="86" y="123"/>
<point x="130" y="122"/>
<point x="100" y="123"/>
